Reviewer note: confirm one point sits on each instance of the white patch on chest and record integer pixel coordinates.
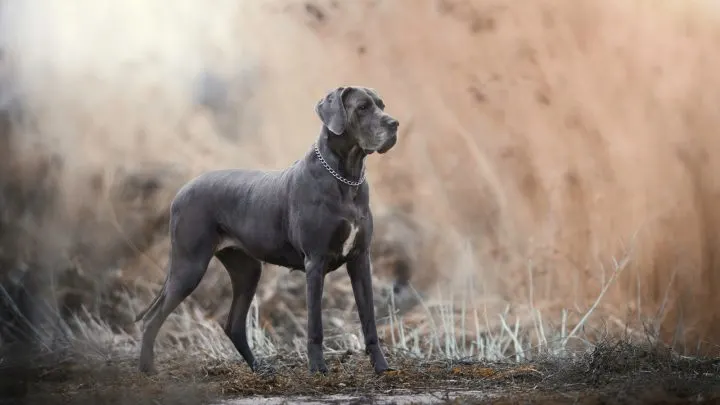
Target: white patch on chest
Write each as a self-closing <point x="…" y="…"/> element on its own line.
<point x="350" y="241"/>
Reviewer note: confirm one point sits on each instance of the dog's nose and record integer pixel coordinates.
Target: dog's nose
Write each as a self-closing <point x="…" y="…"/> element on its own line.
<point x="393" y="123"/>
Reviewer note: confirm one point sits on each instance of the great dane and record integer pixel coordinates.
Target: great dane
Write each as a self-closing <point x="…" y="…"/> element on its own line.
<point x="313" y="216"/>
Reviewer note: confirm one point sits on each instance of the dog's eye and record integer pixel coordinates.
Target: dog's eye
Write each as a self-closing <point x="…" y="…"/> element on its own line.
<point x="364" y="106"/>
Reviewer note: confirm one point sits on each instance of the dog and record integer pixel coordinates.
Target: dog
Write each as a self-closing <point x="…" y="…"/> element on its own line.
<point x="313" y="216"/>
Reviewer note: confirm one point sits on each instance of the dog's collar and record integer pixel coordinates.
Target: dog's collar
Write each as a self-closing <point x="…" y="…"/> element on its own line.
<point x="335" y="174"/>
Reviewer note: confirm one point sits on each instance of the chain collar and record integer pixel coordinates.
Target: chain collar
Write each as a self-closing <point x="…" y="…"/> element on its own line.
<point x="335" y="174"/>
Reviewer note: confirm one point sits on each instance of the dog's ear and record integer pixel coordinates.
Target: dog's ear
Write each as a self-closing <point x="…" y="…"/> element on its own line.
<point x="331" y="110"/>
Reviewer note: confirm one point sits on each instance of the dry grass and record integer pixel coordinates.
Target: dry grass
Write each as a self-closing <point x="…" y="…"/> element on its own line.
<point x="91" y="360"/>
<point x="636" y="371"/>
<point x="554" y="183"/>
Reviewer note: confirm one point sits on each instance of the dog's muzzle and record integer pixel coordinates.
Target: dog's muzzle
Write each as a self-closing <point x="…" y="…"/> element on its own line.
<point x="392" y="125"/>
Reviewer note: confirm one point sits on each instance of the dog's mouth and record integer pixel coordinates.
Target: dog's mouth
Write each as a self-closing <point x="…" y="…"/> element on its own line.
<point x="388" y="145"/>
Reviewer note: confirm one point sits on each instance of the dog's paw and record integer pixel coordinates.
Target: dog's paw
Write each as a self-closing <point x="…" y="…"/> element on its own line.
<point x="322" y="371"/>
<point x="318" y="369"/>
<point x="147" y="370"/>
<point x="316" y="362"/>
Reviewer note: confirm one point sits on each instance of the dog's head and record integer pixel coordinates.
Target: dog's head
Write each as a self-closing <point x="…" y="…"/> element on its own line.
<point x="358" y="113"/>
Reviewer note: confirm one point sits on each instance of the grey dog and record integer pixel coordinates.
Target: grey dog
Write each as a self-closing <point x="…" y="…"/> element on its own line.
<point x="313" y="216"/>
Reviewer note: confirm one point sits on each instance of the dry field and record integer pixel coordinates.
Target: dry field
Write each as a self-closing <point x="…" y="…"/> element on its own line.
<point x="551" y="199"/>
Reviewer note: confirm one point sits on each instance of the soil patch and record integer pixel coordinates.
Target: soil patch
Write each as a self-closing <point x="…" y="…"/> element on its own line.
<point x="619" y="373"/>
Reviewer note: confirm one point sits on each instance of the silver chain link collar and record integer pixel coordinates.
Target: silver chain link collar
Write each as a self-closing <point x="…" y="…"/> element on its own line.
<point x="335" y="174"/>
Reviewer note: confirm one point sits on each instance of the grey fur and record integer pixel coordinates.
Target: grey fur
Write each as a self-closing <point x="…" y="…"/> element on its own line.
<point x="300" y="218"/>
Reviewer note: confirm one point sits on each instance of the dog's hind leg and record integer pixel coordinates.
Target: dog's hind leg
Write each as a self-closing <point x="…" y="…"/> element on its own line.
<point x="245" y="274"/>
<point x="190" y="255"/>
<point x="183" y="277"/>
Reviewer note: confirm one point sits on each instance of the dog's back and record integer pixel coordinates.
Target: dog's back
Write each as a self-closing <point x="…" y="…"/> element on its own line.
<point x="236" y="207"/>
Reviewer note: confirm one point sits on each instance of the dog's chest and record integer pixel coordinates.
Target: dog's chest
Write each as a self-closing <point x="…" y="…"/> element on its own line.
<point x="347" y="237"/>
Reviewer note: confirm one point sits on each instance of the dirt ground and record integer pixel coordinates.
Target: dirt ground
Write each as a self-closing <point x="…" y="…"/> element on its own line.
<point x="611" y="374"/>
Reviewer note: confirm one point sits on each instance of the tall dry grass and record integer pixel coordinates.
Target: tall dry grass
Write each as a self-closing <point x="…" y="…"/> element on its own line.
<point x="540" y="140"/>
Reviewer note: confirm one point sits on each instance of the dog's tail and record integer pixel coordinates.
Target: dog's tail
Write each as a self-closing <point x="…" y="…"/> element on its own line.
<point x="154" y="305"/>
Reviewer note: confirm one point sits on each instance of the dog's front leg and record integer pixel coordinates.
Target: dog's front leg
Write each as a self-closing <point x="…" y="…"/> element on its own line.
<point x="359" y="271"/>
<point x="315" y="274"/>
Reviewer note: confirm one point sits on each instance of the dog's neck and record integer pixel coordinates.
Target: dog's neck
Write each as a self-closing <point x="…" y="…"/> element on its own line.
<point x="342" y="154"/>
